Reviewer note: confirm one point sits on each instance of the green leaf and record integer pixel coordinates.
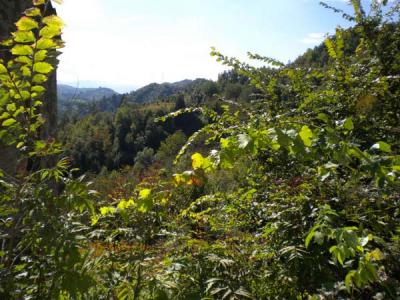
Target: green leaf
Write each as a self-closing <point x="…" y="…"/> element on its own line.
<point x="331" y="50"/>
<point x="45" y="43"/>
<point x="309" y="238"/>
<point x="39" y="78"/>
<point x="22" y="50"/>
<point x="42" y="67"/>
<point x="53" y="20"/>
<point x="9" y="122"/>
<point x="348" y="280"/>
<point x="25" y="95"/>
<point x="382" y="146"/>
<point x="11" y="107"/>
<point x="3" y="69"/>
<point x="50" y="31"/>
<point x="24" y="37"/>
<point x="26" y="23"/>
<point x="4" y="98"/>
<point x="40" y="55"/>
<point x="38" y="89"/>
<point x="348" y="124"/>
<point x="94" y="220"/>
<point x="37" y="103"/>
<point x="306" y="135"/>
<point x="310" y="235"/>
<point x="145" y="205"/>
<point x="26" y="71"/>
<point x="323" y="117"/>
<point x="33" y="12"/>
<point x="24" y="59"/>
<point x="4" y="115"/>
<point x="7" y="43"/>
<point x="39" y="2"/>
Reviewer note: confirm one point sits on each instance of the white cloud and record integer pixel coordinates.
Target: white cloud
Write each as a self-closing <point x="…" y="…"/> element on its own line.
<point x="313" y="39"/>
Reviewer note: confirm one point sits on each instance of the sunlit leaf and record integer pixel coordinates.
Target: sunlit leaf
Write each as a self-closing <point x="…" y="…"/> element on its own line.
<point x="107" y="210"/>
<point x="3" y="69"/>
<point x="8" y="122"/>
<point x="38" y="89"/>
<point x="144" y="194"/>
<point x="42" y="67"/>
<point x="50" y="31"/>
<point x="33" y="12"/>
<point x="40" y="55"/>
<point x="24" y="36"/>
<point x="53" y="20"/>
<point x="348" y="124"/>
<point x="382" y="146"/>
<point x="306" y="135"/>
<point x="22" y="50"/>
<point x="11" y="107"/>
<point x="39" y="2"/>
<point x="200" y="162"/>
<point x="26" y="23"/>
<point x="45" y="43"/>
<point x="39" y="78"/>
<point x="24" y="59"/>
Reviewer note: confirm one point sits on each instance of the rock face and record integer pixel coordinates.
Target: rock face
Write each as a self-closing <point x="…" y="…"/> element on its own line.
<point x="10" y="12"/>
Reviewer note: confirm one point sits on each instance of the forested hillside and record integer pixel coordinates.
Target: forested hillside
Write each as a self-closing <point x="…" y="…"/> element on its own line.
<point x="70" y="93"/>
<point x="158" y="92"/>
<point x="274" y="182"/>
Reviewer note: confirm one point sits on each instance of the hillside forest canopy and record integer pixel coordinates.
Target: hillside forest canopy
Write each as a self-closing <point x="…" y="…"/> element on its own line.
<point x="273" y="182"/>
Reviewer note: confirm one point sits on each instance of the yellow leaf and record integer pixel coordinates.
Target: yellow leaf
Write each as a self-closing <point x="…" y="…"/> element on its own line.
<point x="24" y="37"/>
<point x="107" y="210"/>
<point x="199" y="162"/>
<point x="45" y="43"/>
<point x="144" y="194"/>
<point x="26" y="23"/>
<point x="33" y="12"/>
<point x="22" y="50"/>
<point x="50" y="31"/>
<point x="38" y="2"/>
<point x="306" y="135"/>
<point x="40" y="55"/>
<point x="53" y="21"/>
<point x="42" y="67"/>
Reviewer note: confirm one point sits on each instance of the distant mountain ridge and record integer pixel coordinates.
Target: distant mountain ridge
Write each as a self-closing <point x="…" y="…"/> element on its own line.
<point x="70" y="93"/>
<point x="159" y="91"/>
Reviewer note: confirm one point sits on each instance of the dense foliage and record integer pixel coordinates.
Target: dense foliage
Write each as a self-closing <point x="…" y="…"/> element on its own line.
<point x="287" y="188"/>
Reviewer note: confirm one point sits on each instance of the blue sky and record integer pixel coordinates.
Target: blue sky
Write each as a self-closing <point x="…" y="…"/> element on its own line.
<point x="124" y="44"/>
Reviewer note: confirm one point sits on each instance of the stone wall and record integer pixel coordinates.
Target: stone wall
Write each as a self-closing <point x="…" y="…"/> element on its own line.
<point x="10" y="12"/>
